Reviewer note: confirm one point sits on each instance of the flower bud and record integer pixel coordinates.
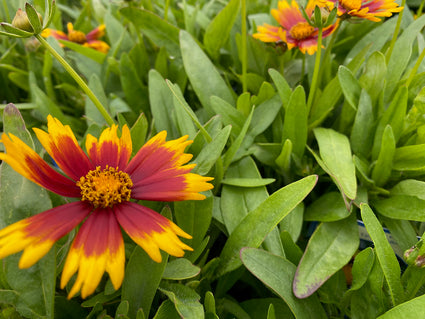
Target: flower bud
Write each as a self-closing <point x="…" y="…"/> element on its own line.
<point x="324" y="14"/>
<point x="21" y="21"/>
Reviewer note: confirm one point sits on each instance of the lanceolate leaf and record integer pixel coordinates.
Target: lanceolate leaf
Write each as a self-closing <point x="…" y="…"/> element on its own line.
<point x="330" y="248"/>
<point x="257" y="224"/>
<point x="277" y="273"/>
<point x="336" y="155"/>
<point x="385" y="254"/>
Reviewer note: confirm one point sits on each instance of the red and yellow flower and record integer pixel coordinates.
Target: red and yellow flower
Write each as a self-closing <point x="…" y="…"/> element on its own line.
<point x="90" y="39"/>
<point x="105" y="180"/>
<point x="293" y="28"/>
<point x="372" y="10"/>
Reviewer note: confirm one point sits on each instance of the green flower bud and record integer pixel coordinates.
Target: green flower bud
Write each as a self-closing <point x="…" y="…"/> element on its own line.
<point x="21" y="21"/>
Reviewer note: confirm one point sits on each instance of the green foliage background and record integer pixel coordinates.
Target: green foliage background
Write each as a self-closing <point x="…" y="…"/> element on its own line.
<point x="278" y="236"/>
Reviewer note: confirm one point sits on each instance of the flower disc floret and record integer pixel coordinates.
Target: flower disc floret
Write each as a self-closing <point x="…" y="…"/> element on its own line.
<point x="301" y="31"/>
<point x="351" y="4"/>
<point x="77" y="37"/>
<point x="105" y="188"/>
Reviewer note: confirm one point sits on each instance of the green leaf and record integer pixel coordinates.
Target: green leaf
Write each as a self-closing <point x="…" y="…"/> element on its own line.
<point x="350" y="86"/>
<point x="233" y="149"/>
<point x="385" y="254"/>
<point x="247" y="182"/>
<point x="327" y="208"/>
<point x="408" y="310"/>
<point x="373" y="77"/>
<point x="252" y="230"/>
<point x="185" y="300"/>
<point x="229" y="114"/>
<point x="409" y="158"/>
<point x="237" y="202"/>
<point x="138" y="132"/>
<point x="335" y="152"/>
<point x="361" y="136"/>
<point x="15" y="32"/>
<point x="282" y="86"/>
<point x="211" y="152"/>
<point x="277" y="274"/>
<point x="162" y="33"/>
<point x="135" y="91"/>
<point x="295" y="123"/>
<point x="33" y="18"/>
<point x="162" y="106"/>
<point x="218" y="30"/>
<point x="362" y="266"/>
<point x="167" y="310"/>
<point x="401" y="55"/>
<point x="330" y="248"/>
<point x="97" y="56"/>
<point x="332" y="92"/>
<point x="194" y="217"/>
<point x="21" y="198"/>
<point x="180" y="269"/>
<point x="92" y="113"/>
<point x="203" y="75"/>
<point x="394" y="115"/>
<point x="401" y="207"/>
<point x="382" y="170"/>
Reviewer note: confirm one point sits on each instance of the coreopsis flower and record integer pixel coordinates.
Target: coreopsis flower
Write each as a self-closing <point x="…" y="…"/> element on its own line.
<point x="104" y="180"/>
<point x="372" y="10"/>
<point x="293" y="28"/>
<point x="90" y="39"/>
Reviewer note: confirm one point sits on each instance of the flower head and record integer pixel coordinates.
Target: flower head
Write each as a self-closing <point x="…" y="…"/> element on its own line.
<point x="90" y="39"/>
<point x="372" y="10"/>
<point x="294" y="29"/>
<point x="105" y="180"/>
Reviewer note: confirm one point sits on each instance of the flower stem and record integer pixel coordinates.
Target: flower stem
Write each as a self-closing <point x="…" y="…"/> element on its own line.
<point x="243" y="45"/>
<point x="77" y="79"/>
<point x="315" y="72"/>
<point x="396" y="31"/>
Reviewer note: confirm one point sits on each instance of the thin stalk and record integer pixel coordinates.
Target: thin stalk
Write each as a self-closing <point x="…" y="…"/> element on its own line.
<point x="77" y="79"/>
<point x="415" y="68"/>
<point x="167" y="5"/>
<point x="328" y="51"/>
<point x="421" y="7"/>
<point x="244" y="46"/>
<point x="314" y="82"/>
<point x="396" y="31"/>
<point x="6" y="9"/>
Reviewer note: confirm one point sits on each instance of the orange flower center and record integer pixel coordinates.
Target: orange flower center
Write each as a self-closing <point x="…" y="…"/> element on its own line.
<point x="105" y="188"/>
<point x="77" y="37"/>
<point x="351" y="4"/>
<point x="301" y="31"/>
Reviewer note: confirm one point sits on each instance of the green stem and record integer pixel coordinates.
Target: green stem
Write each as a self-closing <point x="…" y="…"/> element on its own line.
<point x="328" y="52"/>
<point x="244" y="46"/>
<point x="167" y="5"/>
<point x="77" y="79"/>
<point x="419" y="12"/>
<point x="396" y="31"/>
<point x="315" y="72"/>
<point x="415" y="68"/>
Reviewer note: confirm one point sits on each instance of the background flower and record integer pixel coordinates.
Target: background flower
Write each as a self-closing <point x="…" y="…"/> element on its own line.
<point x="294" y="29"/>
<point x="372" y="10"/>
<point x="90" y="39"/>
